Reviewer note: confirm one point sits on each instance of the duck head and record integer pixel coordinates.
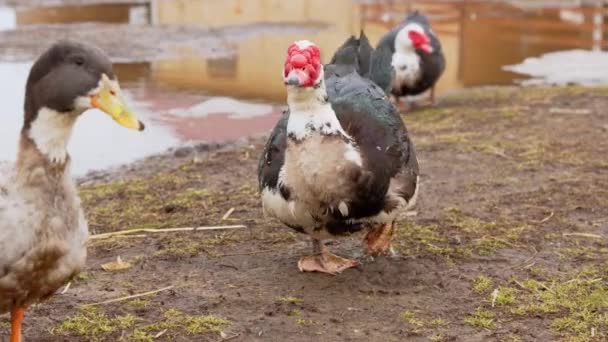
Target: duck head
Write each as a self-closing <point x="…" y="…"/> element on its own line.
<point x="303" y="68"/>
<point x="304" y="76"/>
<point x="413" y="36"/>
<point x="65" y="81"/>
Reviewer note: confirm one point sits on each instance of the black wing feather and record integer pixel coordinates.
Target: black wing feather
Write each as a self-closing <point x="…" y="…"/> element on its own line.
<point x="273" y="157"/>
<point x="373" y="122"/>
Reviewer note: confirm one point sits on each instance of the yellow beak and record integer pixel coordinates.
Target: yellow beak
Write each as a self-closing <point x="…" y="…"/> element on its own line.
<point x="111" y="101"/>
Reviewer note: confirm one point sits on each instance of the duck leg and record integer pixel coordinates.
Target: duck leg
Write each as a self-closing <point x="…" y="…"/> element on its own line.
<point x="433" y="102"/>
<point x="17" y="315"/>
<point x="394" y="100"/>
<point x="402" y="105"/>
<point x="324" y="261"/>
<point x="378" y="240"/>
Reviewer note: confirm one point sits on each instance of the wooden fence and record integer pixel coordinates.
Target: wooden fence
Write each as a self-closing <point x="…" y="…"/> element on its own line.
<point x="563" y="26"/>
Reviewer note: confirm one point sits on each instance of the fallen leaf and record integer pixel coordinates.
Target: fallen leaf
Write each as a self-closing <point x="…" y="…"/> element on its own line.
<point x="117" y="265"/>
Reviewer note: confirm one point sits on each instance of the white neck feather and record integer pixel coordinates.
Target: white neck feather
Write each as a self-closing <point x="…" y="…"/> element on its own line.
<point x="310" y="111"/>
<point x="403" y="44"/>
<point x="51" y="132"/>
<point x="307" y="98"/>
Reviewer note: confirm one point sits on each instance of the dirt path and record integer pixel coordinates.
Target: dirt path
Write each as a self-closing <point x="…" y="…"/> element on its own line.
<point x="509" y="243"/>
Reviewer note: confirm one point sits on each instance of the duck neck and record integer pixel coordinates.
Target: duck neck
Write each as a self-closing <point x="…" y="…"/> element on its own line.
<point x="310" y="112"/>
<point x="43" y="146"/>
<point x="306" y="99"/>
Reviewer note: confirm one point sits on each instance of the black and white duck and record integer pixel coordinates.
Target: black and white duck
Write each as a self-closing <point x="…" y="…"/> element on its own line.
<point x="417" y="56"/>
<point x="340" y="160"/>
<point x="42" y="227"/>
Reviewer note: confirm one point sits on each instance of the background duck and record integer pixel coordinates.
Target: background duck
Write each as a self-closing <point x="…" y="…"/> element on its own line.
<point x="358" y="55"/>
<point x="340" y="160"/>
<point x="416" y="56"/>
<point x="42" y="227"/>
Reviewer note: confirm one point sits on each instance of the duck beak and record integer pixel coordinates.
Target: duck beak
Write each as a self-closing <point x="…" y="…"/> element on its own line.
<point x="110" y="100"/>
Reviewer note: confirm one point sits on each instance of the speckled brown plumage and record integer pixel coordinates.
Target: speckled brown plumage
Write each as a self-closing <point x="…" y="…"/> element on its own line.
<point x="42" y="229"/>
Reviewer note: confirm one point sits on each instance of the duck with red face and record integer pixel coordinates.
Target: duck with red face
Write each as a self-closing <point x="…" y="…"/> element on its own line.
<point x="339" y="161"/>
<point x="418" y="59"/>
<point x="302" y="65"/>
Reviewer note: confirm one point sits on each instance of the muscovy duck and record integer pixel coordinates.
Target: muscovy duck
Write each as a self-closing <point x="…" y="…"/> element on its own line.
<point x="42" y="227"/>
<point x="340" y="159"/>
<point x="417" y="56"/>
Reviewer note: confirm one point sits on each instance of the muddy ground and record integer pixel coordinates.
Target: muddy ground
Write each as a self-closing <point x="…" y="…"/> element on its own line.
<point x="509" y="240"/>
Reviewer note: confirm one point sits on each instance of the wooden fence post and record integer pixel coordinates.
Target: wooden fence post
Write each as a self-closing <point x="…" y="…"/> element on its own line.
<point x="598" y="25"/>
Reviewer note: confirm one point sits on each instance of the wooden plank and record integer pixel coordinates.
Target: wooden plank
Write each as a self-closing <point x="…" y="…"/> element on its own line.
<point x="542" y="40"/>
<point x="539" y="24"/>
<point x="502" y="15"/>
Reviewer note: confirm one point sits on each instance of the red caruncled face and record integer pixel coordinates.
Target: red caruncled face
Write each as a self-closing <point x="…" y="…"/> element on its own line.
<point x="421" y="41"/>
<point x="302" y="65"/>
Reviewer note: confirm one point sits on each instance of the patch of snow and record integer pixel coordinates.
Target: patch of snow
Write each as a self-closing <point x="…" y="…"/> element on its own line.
<point x="235" y="109"/>
<point x="582" y="67"/>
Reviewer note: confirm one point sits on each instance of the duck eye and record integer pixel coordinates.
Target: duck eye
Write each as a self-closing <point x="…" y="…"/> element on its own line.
<point x="79" y="61"/>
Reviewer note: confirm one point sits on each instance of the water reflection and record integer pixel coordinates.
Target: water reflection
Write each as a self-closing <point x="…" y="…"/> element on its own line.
<point x="199" y="117"/>
<point x="479" y="38"/>
<point x="97" y="141"/>
<point x="194" y="97"/>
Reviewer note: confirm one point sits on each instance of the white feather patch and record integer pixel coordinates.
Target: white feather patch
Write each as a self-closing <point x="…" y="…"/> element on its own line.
<point x="403" y="42"/>
<point x="287" y="212"/>
<point x="405" y="59"/>
<point x="343" y="207"/>
<point x="303" y="44"/>
<point x="303" y="123"/>
<point x="407" y="68"/>
<point x="353" y="155"/>
<point x="51" y="132"/>
<point x="412" y="202"/>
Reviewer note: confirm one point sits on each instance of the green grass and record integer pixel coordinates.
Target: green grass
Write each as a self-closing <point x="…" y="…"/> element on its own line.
<point x="176" y="320"/>
<point x="481" y="318"/>
<point x="411" y="319"/>
<point x="305" y="322"/>
<point x="186" y="247"/>
<point x="579" y="306"/>
<point x="482" y="284"/>
<point x="295" y="312"/>
<point x="175" y="198"/>
<point x="576" y="304"/>
<point x="421" y="324"/>
<point x="290" y="299"/>
<point x="505" y="296"/>
<point x="93" y="323"/>
<point x="479" y="236"/>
